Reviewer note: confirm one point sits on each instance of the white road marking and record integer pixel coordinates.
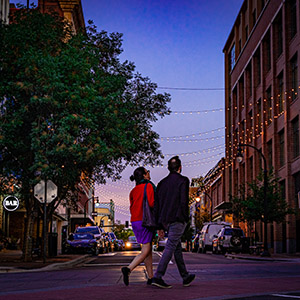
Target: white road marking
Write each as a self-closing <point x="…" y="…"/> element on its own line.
<point x="160" y="255"/>
<point x="286" y="296"/>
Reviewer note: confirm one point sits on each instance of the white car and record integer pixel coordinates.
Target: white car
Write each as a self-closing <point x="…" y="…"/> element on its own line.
<point x="208" y="233"/>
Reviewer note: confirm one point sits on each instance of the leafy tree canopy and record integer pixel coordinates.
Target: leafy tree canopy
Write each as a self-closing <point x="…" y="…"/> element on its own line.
<point x="248" y="205"/>
<point x="69" y="105"/>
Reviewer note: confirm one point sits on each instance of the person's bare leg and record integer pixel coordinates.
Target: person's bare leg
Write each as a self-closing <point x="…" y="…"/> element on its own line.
<point x="149" y="265"/>
<point x="146" y="249"/>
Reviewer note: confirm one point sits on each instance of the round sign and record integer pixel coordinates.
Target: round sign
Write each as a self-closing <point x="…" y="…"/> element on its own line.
<point x="11" y="203"/>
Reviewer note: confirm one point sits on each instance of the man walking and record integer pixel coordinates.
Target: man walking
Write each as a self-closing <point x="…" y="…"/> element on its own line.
<point x="172" y="214"/>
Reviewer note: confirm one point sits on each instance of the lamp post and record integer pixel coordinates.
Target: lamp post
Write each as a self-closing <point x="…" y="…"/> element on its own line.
<point x="198" y="199"/>
<point x="239" y="157"/>
<point x="94" y="198"/>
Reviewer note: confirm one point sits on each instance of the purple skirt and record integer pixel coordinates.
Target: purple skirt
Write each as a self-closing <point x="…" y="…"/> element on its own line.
<point x="142" y="234"/>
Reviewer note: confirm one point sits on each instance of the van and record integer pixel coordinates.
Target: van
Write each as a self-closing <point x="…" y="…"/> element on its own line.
<point x="208" y="233"/>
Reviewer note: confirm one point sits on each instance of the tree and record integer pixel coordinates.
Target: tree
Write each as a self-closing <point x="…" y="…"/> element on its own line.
<point x="69" y="106"/>
<point x="201" y="216"/>
<point x="121" y="232"/>
<point x="248" y="205"/>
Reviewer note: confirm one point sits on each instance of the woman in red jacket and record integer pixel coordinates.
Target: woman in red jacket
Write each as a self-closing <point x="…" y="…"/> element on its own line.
<point x="143" y="235"/>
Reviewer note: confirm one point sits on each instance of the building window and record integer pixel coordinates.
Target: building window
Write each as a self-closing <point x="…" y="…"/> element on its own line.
<point x="242" y="174"/>
<point x="254" y="17"/>
<point x="267" y="46"/>
<point x="241" y="93"/>
<point x="269" y="106"/>
<point x="258" y="115"/>
<point x="246" y="32"/>
<point x="280" y="93"/>
<point x="281" y="148"/>
<point x="251" y="168"/>
<point x="250" y="129"/>
<point x="260" y="159"/>
<point x="270" y="154"/>
<point x="294" y="77"/>
<point x="242" y="136"/>
<point x="234" y="96"/>
<point x="295" y="139"/>
<point x="237" y="181"/>
<point x="278" y="34"/>
<point x="257" y="67"/>
<point x="249" y="80"/>
<point x="240" y="46"/>
<point x="232" y="57"/>
<point x="292" y="12"/>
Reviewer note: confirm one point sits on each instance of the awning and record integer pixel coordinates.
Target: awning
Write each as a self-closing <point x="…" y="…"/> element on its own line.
<point x="223" y="206"/>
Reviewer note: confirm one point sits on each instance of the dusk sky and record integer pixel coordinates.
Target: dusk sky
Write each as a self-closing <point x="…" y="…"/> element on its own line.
<point x="178" y="45"/>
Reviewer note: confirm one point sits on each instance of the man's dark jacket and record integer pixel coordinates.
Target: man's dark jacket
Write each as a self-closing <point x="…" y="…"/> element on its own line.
<point x="172" y="200"/>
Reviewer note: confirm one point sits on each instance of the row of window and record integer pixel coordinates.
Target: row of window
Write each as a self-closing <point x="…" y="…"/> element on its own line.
<point x="278" y="35"/>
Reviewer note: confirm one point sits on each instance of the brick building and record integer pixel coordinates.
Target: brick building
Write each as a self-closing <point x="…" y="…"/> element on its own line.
<point x="262" y="104"/>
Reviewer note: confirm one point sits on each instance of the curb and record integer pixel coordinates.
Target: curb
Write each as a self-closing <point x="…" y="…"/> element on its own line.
<point x="51" y="267"/>
<point x="257" y="258"/>
<point x="67" y="264"/>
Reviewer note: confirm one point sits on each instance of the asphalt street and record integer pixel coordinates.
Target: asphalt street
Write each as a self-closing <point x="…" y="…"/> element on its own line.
<point x="217" y="277"/>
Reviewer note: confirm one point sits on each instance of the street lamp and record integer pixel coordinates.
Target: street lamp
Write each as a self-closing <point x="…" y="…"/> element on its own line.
<point x="239" y="158"/>
<point x="94" y="198"/>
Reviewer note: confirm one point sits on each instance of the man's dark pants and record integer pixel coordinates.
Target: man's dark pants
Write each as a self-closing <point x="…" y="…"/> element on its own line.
<point x="173" y="246"/>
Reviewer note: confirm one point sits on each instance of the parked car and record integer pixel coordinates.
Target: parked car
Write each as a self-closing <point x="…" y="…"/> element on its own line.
<point x="132" y="244"/>
<point x="229" y="239"/>
<point x="83" y="242"/>
<point x="98" y="234"/>
<point x="208" y="233"/>
<point x="114" y="241"/>
<point x="121" y="245"/>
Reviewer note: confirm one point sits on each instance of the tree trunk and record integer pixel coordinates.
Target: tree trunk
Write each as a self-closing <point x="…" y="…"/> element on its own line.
<point x="27" y="247"/>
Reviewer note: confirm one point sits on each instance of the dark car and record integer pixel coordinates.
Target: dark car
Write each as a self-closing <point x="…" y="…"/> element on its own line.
<point x="83" y="242"/>
<point x="98" y="234"/>
<point x="132" y="244"/>
<point x="121" y="245"/>
<point x="114" y="240"/>
<point x="229" y="239"/>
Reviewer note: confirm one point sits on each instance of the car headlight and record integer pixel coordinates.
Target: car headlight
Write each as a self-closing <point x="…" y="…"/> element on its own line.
<point x="128" y="245"/>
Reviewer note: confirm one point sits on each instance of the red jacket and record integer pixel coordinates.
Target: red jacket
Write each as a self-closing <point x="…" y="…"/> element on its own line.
<point x="136" y="201"/>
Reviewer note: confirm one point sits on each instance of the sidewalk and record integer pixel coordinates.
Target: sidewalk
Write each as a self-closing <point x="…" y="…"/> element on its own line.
<point x="11" y="261"/>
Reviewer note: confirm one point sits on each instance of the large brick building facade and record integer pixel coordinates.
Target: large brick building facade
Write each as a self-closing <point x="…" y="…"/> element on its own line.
<point x="262" y="105"/>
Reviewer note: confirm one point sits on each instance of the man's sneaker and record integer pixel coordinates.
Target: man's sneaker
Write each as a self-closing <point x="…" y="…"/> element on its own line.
<point x="189" y="280"/>
<point x="125" y="272"/>
<point x="149" y="281"/>
<point x="160" y="283"/>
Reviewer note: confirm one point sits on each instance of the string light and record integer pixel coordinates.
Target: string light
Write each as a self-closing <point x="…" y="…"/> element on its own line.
<point x="193" y="112"/>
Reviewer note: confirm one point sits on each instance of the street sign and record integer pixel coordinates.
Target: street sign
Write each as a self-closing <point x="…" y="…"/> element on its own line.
<point x="11" y="203"/>
<point x="39" y="191"/>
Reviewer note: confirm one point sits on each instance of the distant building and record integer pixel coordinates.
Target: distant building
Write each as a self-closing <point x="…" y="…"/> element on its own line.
<point x="4" y="11"/>
<point x="263" y="107"/>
